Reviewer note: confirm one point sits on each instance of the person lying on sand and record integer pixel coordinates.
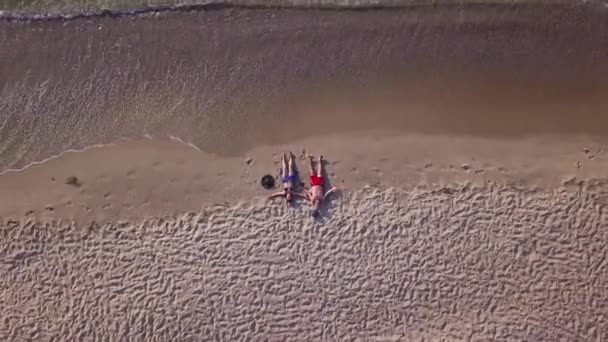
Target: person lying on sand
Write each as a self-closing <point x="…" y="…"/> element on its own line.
<point x="315" y="193"/>
<point x="288" y="178"/>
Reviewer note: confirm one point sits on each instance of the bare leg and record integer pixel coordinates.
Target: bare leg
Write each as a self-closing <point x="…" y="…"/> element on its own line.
<point x="312" y="165"/>
<point x="284" y="168"/>
<point x="292" y="165"/>
<point x="320" y="167"/>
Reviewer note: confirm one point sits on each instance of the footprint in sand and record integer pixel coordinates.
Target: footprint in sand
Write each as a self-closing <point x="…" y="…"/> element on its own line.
<point x="572" y="181"/>
<point x="588" y="153"/>
<point x="131" y="173"/>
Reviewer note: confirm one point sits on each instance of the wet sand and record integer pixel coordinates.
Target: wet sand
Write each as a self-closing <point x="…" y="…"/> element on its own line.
<point x="142" y="179"/>
<point x="468" y="146"/>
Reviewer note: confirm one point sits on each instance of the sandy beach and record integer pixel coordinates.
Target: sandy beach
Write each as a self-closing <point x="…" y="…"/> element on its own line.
<point x="468" y="145"/>
<point x="446" y="239"/>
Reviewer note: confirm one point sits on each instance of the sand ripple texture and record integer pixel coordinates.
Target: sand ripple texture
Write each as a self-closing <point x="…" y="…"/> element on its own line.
<point x="487" y="263"/>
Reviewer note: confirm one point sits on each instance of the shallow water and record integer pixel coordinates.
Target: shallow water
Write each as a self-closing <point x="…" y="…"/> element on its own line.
<point x="38" y="6"/>
<point x="77" y="6"/>
<point x="226" y="80"/>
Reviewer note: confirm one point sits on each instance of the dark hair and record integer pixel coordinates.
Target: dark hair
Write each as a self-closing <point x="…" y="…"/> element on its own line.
<point x="316" y="213"/>
<point x="288" y="194"/>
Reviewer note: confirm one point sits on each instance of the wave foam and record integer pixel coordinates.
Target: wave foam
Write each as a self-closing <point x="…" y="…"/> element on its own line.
<point x="77" y="13"/>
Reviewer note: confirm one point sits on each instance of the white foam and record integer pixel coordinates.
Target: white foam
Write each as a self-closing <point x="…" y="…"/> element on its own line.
<point x="27" y="16"/>
<point x="123" y="140"/>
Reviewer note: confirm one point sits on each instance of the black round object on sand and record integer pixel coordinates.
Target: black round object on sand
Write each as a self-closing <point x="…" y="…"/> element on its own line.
<point x="267" y="182"/>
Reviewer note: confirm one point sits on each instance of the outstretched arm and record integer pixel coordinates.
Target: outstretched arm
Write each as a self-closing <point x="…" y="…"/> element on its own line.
<point x="302" y="195"/>
<point x="276" y="194"/>
<point x="332" y="190"/>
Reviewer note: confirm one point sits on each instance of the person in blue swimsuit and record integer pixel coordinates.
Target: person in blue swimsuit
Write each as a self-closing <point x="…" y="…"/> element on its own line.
<point x="289" y="175"/>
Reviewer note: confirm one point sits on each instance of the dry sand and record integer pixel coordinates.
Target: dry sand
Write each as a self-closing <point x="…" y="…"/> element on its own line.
<point x="469" y="147"/>
<point x="456" y="238"/>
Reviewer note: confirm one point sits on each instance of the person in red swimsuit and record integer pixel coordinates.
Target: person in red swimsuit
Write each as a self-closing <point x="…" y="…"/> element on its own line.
<point x="315" y="193"/>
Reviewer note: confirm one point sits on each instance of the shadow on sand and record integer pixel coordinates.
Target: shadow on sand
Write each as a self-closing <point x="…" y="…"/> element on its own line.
<point x="302" y="186"/>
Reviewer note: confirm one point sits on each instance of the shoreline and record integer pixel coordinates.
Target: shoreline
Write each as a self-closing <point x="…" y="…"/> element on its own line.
<point x="147" y="178"/>
<point x="469" y="148"/>
<point x="478" y="73"/>
<point x="15" y="15"/>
